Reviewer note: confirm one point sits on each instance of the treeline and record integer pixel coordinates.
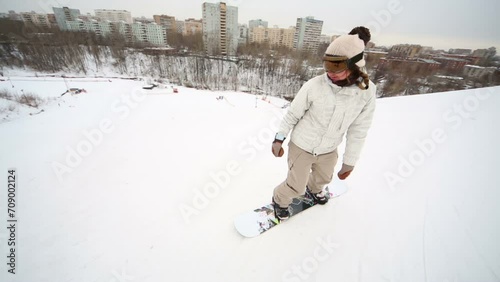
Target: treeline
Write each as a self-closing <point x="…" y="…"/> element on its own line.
<point x="51" y="50"/>
<point x="273" y="76"/>
<point x="400" y="80"/>
<point x="268" y="75"/>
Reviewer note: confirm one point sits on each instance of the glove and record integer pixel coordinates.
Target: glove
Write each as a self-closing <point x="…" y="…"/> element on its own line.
<point x="345" y="171"/>
<point x="277" y="149"/>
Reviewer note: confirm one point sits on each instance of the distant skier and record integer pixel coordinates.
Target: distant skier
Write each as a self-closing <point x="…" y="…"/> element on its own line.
<point x="341" y="101"/>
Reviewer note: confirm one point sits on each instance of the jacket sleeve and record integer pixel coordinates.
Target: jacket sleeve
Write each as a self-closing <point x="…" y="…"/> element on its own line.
<point x="298" y="108"/>
<point x="358" y="130"/>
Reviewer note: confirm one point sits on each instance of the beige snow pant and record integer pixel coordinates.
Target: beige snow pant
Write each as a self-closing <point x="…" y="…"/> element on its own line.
<point x="304" y="169"/>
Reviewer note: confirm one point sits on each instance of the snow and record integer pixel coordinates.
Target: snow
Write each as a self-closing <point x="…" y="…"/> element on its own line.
<point x="153" y="182"/>
<point x="450" y="77"/>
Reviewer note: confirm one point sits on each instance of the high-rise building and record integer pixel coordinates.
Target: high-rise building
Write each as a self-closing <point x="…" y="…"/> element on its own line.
<point x="220" y="29"/>
<point x="257" y="23"/>
<point x="307" y="34"/>
<point x="151" y="33"/>
<point x="52" y="20"/>
<point x="180" y="27"/>
<point x="193" y="26"/>
<point x="243" y="34"/>
<point x="258" y="35"/>
<point x="275" y="36"/>
<point x="460" y="51"/>
<point x="33" y="18"/>
<point x="325" y="39"/>
<point x="89" y="17"/>
<point x="485" y="54"/>
<point x="143" y="20"/>
<point x="189" y="27"/>
<point x="477" y="71"/>
<point x="253" y="24"/>
<point x="64" y="15"/>
<point x="14" y="16"/>
<point x="98" y="27"/>
<point x="114" y="15"/>
<point x="168" y="22"/>
<point x="282" y="37"/>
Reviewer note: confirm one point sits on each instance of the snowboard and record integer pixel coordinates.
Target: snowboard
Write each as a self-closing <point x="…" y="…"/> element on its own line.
<point x="258" y="221"/>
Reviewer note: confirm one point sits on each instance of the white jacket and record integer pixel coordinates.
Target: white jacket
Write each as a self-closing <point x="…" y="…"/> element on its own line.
<point x="323" y="112"/>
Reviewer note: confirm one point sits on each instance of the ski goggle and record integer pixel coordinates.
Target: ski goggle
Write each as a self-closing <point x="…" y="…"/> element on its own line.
<point x="337" y="64"/>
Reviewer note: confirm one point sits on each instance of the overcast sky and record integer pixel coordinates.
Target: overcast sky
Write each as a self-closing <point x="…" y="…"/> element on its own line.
<point x="442" y="24"/>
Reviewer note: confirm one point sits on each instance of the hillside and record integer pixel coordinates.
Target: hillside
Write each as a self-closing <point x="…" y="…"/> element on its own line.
<point x="119" y="185"/>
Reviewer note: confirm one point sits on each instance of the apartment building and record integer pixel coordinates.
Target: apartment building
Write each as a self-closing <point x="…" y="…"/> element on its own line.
<point x="192" y="26"/>
<point x="33" y="18"/>
<point x="180" y="27"/>
<point x="460" y="51"/>
<point x="282" y="37"/>
<point x="243" y="34"/>
<point x="188" y="27"/>
<point x="451" y="64"/>
<point x="473" y="71"/>
<point x="97" y="27"/>
<point x="12" y="15"/>
<point x="258" y="35"/>
<point x="253" y="24"/>
<point x="405" y="51"/>
<point x="52" y="20"/>
<point x="64" y="15"/>
<point x="152" y="34"/>
<point x="143" y="20"/>
<point x="257" y="23"/>
<point x="220" y="29"/>
<point x="472" y="60"/>
<point x="275" y="36"/>
<point x="114" y="15"/>
<point x="307" y="34"/>
<point x="168" y="22"/>
<point x="107" y="22"/>
<point x="325" y="39"/>
<point x="485" y="54"/>
<point x="149" y="33"/>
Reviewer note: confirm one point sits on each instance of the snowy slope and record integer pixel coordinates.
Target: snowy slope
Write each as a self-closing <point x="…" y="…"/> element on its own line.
<point x="115" y="185"/>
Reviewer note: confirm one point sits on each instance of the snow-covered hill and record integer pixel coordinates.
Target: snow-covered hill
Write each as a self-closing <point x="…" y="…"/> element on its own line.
<point x="118" y="185"/>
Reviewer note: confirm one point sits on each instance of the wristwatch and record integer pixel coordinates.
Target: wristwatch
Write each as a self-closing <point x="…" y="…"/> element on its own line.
<point x="280" y="136"/>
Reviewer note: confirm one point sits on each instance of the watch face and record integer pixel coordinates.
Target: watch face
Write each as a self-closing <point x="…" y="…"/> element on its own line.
<point x="280" y="137"/>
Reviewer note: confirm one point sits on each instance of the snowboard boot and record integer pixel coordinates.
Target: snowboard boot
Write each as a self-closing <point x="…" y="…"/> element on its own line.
<point x="280" y="213"/>
<point x="318" y="198"/>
